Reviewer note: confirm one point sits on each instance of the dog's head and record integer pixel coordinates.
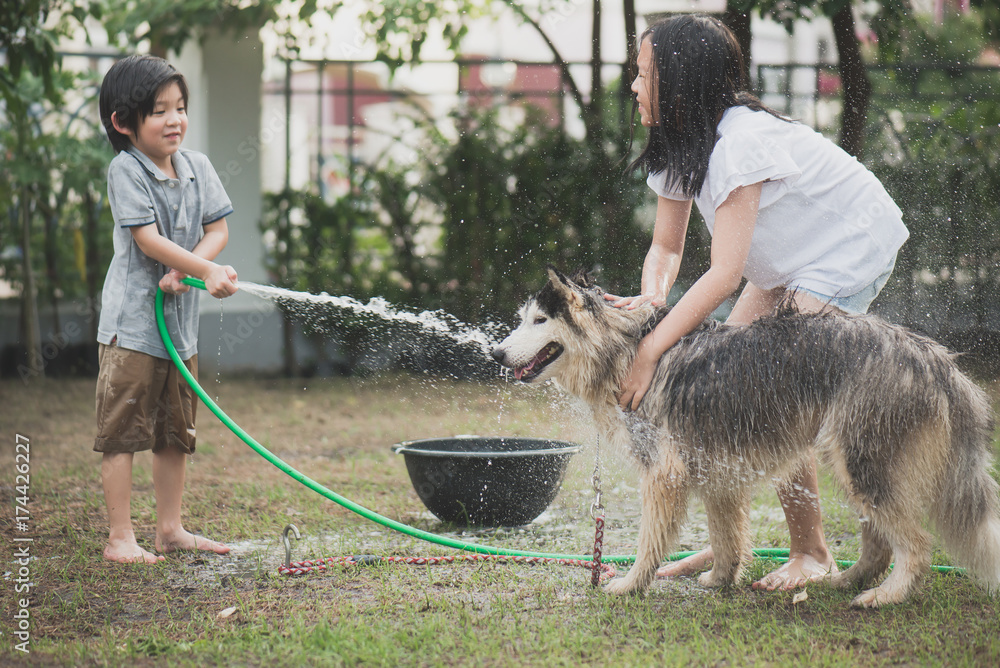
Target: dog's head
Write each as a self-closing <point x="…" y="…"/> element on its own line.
<point x="568" y="329"/>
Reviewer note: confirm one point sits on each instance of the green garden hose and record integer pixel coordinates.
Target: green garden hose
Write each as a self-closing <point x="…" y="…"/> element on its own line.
<point x="777" y="554"/>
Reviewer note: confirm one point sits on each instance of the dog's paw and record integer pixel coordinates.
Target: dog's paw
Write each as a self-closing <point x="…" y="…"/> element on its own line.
<point x="874" y="598"/>
<point x="845" y="580"/>
<point x="622" y="587"/>
<point x="714" y="579"/>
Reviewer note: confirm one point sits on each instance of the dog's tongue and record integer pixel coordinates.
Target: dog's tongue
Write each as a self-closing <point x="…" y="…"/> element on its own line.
<point x="518" y="373"/>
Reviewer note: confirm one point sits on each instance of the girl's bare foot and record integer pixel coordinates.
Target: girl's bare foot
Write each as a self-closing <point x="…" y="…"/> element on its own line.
<point x="186" y="541"/>
<point x="125" y="552"/>
<point x="799" y="570"/>
<point x="796" y="572"/>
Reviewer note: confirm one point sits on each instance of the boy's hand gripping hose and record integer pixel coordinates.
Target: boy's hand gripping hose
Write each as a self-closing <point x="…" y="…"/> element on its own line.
<point x="770" y="553"/>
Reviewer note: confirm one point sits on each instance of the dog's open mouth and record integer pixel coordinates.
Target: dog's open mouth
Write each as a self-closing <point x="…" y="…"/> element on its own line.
<point x="548" y="355"/>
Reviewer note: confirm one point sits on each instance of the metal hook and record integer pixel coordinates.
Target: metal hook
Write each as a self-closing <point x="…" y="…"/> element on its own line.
<point x="597" y="508"/>
<point x="288" y="547"/>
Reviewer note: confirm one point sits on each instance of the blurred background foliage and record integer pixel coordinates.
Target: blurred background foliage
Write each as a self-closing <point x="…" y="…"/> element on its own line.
<point x="934" y="140"/>
<point x="469" y="226"/>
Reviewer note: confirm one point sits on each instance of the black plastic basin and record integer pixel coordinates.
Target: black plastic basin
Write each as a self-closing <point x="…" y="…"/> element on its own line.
<point x="486" y="481"/>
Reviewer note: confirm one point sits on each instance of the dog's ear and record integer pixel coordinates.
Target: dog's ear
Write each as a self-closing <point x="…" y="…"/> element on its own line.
<point x="555" y="276"/>
<point x="584" y="277"/>
<point x="565" y="287"/>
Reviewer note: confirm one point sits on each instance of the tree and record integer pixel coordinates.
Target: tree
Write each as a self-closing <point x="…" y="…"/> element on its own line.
<point x="29" y="33"/>
<point x="167" y="25"/>
<point x="53" y="173"/>
<point x="853" y="75"/>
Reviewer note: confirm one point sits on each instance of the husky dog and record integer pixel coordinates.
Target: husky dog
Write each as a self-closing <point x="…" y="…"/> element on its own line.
<point x="905" y="432"/>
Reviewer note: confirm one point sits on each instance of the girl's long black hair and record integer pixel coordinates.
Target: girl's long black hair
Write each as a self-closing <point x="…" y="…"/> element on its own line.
<point x="698" y="74"/>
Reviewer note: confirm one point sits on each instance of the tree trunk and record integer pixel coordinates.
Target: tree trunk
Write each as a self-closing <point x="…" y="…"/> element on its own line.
<point x="558" y="60"/>
<point x="91" y="204"/>
<point x="739" y="22"/>
<point x="289" y="363"/>
<point x="954" y="254"/>
<point x="32" y="331"/>
<point x="595" y="60"/>
<point x="854" y="78"/>
<point x="625" y="85"/>
<point x="52" y="265"/>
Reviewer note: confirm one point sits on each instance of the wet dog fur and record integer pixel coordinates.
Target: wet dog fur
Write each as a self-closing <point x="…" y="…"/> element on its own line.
<point x="904" y="431"/>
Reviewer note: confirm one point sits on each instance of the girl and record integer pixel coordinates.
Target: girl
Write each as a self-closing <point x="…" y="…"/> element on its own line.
<point x="786" y="208"/>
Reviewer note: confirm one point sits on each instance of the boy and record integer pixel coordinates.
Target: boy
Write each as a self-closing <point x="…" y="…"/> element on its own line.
<point x="170" y="212"/>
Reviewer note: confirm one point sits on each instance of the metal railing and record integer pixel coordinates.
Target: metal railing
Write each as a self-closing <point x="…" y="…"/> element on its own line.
<point x="811" y="92"/>
<point x="458" y="87"/>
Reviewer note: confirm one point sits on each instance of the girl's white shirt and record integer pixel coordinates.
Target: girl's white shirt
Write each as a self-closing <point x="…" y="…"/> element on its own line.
<point x="825" y="223"/>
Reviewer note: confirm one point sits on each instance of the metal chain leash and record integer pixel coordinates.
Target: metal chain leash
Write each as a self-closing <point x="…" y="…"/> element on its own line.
<point x="319" y="565"/>
<point x="326" y="563"/>
<point x="597" y="512"/>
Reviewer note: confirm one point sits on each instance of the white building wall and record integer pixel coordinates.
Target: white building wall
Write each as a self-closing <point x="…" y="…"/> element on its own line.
<point x="224" y="78"/>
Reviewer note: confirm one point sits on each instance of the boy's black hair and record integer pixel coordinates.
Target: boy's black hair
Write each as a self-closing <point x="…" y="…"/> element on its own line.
<point x="698" y="74"/>
<point x="130" y="89"/>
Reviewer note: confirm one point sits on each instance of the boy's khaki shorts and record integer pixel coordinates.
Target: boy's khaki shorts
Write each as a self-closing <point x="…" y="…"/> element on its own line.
<point x="143" y="403"/>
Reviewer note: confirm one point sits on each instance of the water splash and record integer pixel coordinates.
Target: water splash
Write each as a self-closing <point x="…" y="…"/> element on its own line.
<point x="439" y="322"/>
<point x="218" y="357"/>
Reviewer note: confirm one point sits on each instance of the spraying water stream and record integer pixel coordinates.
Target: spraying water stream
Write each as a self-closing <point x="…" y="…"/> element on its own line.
<point x="436" y="322"/>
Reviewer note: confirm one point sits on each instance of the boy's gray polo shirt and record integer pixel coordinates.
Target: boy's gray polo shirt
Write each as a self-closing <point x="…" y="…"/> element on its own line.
<point x="141" y="194"/>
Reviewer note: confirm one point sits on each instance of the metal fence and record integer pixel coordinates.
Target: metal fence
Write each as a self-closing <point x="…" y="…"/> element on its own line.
<point x="331" y="102"/>
<point x="811" y="92"/>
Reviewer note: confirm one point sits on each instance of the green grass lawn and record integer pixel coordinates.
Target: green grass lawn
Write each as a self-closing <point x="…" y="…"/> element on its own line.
<point x="84" y="611"/>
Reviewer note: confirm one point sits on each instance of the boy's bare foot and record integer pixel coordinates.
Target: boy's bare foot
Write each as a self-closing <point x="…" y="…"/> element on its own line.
<point x="187" y="541"/>
<point x="124" y="552"/>
<point x="799" y="570"/>
<point x="689" y="565"/>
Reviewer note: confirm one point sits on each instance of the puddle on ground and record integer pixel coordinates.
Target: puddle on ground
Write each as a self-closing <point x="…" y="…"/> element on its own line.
<point x="564" y="528"/>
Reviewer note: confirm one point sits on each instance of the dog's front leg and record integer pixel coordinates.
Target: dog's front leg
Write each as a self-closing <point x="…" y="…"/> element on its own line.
<point x="728" y="532"/>
<point x="664" y="490"/>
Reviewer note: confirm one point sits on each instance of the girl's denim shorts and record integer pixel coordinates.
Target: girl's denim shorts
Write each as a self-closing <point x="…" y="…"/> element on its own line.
<point x="860" y="300"/>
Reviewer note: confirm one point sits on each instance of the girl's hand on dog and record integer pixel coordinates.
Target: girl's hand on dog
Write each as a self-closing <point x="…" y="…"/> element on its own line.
<point x="636" y="301"/>
<point x="637" y="382"/>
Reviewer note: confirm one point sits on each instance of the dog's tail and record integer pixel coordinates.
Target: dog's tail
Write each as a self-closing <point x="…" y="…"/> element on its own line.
<point x="967" y="513"/>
